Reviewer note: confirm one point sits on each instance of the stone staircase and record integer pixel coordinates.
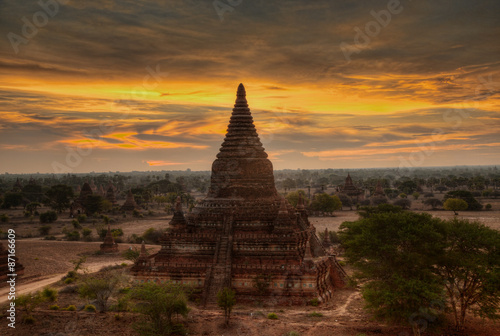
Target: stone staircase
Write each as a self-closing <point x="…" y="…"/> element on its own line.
<point x="219" y="274"/>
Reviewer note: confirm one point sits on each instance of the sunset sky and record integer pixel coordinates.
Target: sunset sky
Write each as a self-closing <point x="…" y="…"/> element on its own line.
<point x="149" y="85"/>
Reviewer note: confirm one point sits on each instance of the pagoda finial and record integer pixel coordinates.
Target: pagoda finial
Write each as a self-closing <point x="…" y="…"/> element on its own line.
<point x="143" y="250"/>
<point x="178" y="204"/>
<point x="300" y="203"/>
<point x="241" y="97"/>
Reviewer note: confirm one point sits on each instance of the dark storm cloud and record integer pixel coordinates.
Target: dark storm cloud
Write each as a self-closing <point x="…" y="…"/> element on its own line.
<point x="293" y="40"/>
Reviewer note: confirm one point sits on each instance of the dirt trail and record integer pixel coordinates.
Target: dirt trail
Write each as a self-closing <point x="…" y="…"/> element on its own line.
<point x="40" y="283"/>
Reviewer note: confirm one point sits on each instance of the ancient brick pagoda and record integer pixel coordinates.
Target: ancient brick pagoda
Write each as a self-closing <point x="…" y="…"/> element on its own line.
<point x="109" y="245"/>
<point x="244" y="232"/>
<point x="351" y="190"/>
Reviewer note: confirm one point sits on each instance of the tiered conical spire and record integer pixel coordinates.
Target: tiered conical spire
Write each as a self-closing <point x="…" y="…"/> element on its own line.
<point x="241" y="138"/>
<point x="109" y="245"/>
<point x="242" y="170"/>
<point x="130" y="203"/>
<point x="326" y="239"/>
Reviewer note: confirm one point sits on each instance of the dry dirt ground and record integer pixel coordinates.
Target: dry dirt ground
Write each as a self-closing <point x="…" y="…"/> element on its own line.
<point x="342" y="316"/>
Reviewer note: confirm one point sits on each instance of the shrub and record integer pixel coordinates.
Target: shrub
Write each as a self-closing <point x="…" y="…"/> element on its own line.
<point x="292" y="333"/>
<point x="44" y="230"/>
<point x="87" y="234"/>
<point x="151" y="235"/>
<point x="114" y="232"/>
<point x="488" y="206"/>
<point x="76" y="224"/>
<point x="90" y="308"/>
<point x="272" y="316"/>
<point x="54" y="307"/>
<point x="159" y="304"/>
<point x="29" y="319"/>
<point x="70" y="308"/>
<point x="315" y="314"/>
<point x="82" y="218"/>
<point x="73" y="236"/>
<point x="68" y="281"/>
<point x="314" y="302"/>
<point x="50" y="294"/>
<point x="4" y="218"/>
<point x="48" y="217"/>
<point x="50" y="238"/>
<point x="136" y="213"/>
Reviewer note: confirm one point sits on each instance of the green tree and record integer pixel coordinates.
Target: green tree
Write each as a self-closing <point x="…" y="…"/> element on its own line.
<point x="28" y="302"/>
<point x="101" y="287"/>
<point x="416" y="195"/>
<point x="470" y="269"/>
<point x="473" y="204"/>
<point x="455" y="204"/>
<point x="59" y="197"/>
<point x="293" y="197"/>
<point x="31" y="207"/>
<point x="159" y="303"/>
<point x="48" y="217"/>
<point x="394" y="251"/>
<point x="326" y="203"/>
<point x="94" y="204"/>
<point x="433" y="202"/>
<point x="404" y="203"/>
<point x="12" y="200"/>
<point x="226" y="299"/>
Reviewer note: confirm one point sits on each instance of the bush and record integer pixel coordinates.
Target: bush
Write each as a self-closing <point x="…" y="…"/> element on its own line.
<point x="44" y="230"/>
<point x="4" y="218"/>
<point x="73" y="236"/>
<point x="50" y="294"/>
<point x="314" y="302"/>
<point x="50" y="238"/>
<point x="488" y="206"/>
<point x="315" y="314"/>
<point x="114" y="232"/>
<point x="76" y="224"/>
<point x="68" y="281"/>
<point x="48" y="217"/>
<point x="54" y="307"/>
<point x="82" y="218"/>
<point x="87" y="234"/>
<point x="70" y="308"/>
<point x="29" y="319"/>
<point x="90" y="308"/>
<point x="292" y="333"/>
<point x="272" y="316"/>
<point x="152" y="236"/>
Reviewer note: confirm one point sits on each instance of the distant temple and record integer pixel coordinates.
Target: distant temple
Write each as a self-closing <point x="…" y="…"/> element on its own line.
<point x="130" y="203"/>
<point x="17" y="186"/>
<point x="78" y="206"/>
<point x="5" y="269"/>
<point x="244" y="232"/>
<point x="355" y="193"/>
<point x="110" y="194"/>
<point x="378" y="190"/>
<point x="109" y="245"/>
